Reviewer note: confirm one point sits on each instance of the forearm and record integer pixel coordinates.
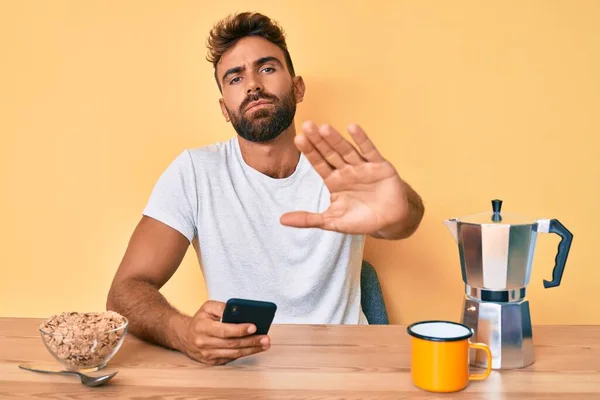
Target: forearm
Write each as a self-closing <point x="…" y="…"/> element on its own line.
<point x="410" y="221"/>
<point x="151" y="317"/>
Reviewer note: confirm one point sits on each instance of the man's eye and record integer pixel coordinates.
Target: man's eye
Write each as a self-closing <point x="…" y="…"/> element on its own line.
<point x="268" y="69"/>
<point x="234" y="80"/>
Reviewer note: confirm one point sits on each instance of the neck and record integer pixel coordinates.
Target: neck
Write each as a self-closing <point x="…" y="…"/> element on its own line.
<point x="277" y="158"/>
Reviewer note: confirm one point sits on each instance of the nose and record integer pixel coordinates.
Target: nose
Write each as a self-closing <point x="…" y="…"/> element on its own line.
<point x="254" y="86"/>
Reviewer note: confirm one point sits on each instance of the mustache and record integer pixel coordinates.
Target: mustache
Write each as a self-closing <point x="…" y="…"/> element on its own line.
<point x="256" y="97"/>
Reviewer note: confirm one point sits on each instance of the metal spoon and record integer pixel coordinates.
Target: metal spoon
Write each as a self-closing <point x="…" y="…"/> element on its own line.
<point x="91" y="381"/>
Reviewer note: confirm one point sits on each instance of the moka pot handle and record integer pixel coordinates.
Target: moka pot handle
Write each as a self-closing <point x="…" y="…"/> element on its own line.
<point x="554" y="226"/>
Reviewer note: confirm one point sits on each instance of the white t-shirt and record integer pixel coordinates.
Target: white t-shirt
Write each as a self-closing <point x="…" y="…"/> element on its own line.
<point x="230" y="213"/>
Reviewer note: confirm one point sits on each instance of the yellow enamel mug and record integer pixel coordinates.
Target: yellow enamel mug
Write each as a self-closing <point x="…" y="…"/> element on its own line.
<point x="440" y="356"/>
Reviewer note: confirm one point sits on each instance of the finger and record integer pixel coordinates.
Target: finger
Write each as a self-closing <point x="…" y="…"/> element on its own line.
<point x="233" y="354"/>
<point x="366" y="146"/>
<point x="214" y="309"/>
<point x="325" y="150"/>
<point x="226" y="330"/>
<point x="318" y="162"/>
<point x="229" y="343"/>
<point x="219" y="361"/>
<point x="302" y="219"/>
<point x="341" y="145"/>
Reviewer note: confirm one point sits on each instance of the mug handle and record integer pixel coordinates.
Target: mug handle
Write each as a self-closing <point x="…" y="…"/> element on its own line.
<point x="482" y="376"/>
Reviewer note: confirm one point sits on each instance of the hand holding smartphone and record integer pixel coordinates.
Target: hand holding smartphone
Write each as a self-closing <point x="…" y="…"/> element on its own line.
<point x="222" y="332"/>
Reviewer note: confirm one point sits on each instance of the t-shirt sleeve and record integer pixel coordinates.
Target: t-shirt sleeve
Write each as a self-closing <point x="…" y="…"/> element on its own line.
<point x="174" y="198"/>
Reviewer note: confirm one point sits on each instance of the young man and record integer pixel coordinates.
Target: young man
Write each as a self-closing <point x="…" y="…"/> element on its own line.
<point x="272" y="215"/>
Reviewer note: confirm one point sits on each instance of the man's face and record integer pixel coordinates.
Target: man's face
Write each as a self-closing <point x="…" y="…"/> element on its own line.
<point x="259" y="93"/>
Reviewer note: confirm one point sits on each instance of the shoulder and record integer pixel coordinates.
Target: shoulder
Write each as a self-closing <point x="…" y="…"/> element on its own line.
<point x="212" y="155"/>
<point x="205" y="158"/>
<point x="193" y="161"/>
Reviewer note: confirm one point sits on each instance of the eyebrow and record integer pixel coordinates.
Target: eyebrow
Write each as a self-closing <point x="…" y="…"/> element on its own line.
<point x="260" y="61"/>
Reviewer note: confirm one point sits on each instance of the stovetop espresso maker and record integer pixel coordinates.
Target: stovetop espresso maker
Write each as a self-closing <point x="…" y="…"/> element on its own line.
<point x="496" y="253"/>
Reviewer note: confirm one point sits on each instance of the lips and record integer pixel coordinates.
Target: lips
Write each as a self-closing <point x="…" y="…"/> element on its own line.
<point x="257" y="103"/>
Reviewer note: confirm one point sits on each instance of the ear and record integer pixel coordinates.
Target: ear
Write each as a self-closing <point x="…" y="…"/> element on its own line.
<point x="299" y="88"/>
<point x="224" y="110"/>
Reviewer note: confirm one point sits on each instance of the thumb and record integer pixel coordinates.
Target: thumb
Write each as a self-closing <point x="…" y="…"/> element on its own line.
<point x="212" y="309"/>
<point x="302" y="219"/>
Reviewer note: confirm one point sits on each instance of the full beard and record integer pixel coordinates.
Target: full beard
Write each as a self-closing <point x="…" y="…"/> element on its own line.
<point x="265" y="124"/>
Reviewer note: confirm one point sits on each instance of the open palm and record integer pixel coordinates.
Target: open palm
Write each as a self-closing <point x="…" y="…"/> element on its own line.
<point x="367" y="194"/>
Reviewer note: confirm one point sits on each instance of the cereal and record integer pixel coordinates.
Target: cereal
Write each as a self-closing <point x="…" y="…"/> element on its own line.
<point x="83" y="340"/>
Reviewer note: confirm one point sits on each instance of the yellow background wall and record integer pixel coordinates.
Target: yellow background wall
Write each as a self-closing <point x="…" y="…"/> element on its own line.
<point x="470" y="101"/>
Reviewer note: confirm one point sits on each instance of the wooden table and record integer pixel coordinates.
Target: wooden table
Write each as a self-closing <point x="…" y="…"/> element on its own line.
<point x="304" y="362"/>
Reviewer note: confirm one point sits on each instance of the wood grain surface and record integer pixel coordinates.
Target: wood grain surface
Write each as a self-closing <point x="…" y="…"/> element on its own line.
<point x="304" y="362"/>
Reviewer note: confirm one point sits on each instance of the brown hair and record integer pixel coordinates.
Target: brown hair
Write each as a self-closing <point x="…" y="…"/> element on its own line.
<point x="229" y="30"/>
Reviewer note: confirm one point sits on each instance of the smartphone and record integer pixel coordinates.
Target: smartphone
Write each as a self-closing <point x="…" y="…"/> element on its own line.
<point x="259" y="313"/>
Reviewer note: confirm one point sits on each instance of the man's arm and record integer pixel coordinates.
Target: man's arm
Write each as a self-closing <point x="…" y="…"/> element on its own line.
<point x="154" y="253"/>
